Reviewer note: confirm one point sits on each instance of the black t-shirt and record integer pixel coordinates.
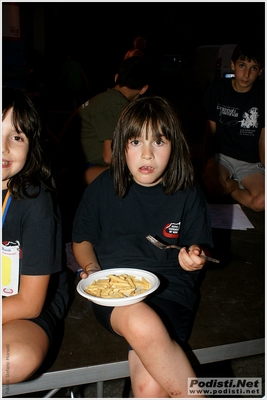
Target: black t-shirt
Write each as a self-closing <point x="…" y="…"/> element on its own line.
<point x="36" y="224"/>
<point x="118" y="228"/>
<point x="239" y="119"/>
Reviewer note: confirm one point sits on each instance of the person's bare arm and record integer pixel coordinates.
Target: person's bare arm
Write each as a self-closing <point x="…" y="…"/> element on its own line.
<point x="92" y="172"/>
<point x="262" y="147"/>
<point x="29" y="301"/>
<point x="208" y="142"/>
<point x="107" y="152"/>
<point x="85" y="78"/>
<point x="85" y="257"/>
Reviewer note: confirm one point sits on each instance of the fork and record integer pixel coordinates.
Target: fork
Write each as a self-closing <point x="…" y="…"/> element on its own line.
<point x="173" y="246"/>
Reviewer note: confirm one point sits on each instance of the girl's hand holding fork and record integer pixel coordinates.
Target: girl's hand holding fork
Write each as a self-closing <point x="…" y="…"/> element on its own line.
<point x="189" y="258"/>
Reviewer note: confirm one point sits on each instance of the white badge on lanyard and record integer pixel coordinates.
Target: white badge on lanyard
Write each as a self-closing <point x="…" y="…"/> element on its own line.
<point x="10" y="268"/>
<point x="10" y="258"/>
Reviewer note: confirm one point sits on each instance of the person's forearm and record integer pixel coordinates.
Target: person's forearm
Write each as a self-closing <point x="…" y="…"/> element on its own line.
<point x="107" y="152"/>
<point x="85" y="255"/>
<point x="208" y="141"/>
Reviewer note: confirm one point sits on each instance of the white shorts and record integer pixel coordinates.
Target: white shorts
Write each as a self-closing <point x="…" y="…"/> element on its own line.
<point x="239" y="169"/>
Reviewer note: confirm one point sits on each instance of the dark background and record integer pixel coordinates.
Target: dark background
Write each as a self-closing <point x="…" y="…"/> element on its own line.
<point x="102" y="32"/>
<point x="108" y="29"/>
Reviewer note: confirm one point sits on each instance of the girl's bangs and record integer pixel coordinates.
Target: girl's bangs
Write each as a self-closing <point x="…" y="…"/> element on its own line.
<point x="147" y="123"/>
<point x="18" y="122"/>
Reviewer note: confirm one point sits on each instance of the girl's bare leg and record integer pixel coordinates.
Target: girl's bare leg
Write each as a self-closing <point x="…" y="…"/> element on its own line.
<point x="217" y="179"/>
<point x="24" y="347"/>
<point x="143" y="385"/>
<point x="253" y="194"/>
<point x="159" y="365"/>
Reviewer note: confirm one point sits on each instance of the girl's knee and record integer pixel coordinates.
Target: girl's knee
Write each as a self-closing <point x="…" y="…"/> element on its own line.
<point x="134" y="323"/>
<point x="19" y="362"/>
<point x="148" y="389"/>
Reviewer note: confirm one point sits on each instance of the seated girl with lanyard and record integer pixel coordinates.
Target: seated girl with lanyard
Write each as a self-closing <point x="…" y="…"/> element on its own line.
<point x="34" y="285"/>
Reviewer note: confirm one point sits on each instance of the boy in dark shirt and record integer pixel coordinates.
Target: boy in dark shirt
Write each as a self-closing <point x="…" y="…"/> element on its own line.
<point x="234" y="144"/>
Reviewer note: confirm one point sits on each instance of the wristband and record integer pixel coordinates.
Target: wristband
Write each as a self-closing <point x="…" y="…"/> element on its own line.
<point x="90" y="269"/>
<point x="87" y="266"/>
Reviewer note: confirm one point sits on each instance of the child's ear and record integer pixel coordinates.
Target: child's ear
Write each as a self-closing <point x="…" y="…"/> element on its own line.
<point x="232" y="65"/>
<point x="260" y="72"/>
<point x="144" y="89"/>
<point x="116" y="77"/>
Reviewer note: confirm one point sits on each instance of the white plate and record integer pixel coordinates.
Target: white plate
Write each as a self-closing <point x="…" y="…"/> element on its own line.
<point x="116" y="302"/>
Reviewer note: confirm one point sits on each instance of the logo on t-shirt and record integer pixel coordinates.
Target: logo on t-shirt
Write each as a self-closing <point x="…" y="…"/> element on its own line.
<point x="248" y="123"/>
<point x="171" y="230"/>
<point x="250" y="119"/>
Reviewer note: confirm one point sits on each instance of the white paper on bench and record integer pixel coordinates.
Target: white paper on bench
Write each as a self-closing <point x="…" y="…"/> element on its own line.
<point x="229" y="216"/>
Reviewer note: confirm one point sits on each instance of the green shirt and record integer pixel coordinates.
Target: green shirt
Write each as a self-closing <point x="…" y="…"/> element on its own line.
<point x="97" y="121"/>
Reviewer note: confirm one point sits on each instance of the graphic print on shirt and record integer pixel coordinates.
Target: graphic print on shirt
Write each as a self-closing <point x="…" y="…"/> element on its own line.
<point x="250" y="119"/>
<point x="171" y="230"/>
<point x="248" y="123"/>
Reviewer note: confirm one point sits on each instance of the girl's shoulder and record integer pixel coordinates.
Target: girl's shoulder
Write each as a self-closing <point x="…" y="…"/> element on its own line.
<point x="103" y="178"/>
<point x="29" y="210"/>
<point x="102" y="184"/>
<point x="36" y="192"/>
<point x="38" y="200"/>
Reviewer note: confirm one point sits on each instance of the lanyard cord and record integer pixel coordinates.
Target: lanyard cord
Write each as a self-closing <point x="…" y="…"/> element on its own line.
<point x="5" y="206"/>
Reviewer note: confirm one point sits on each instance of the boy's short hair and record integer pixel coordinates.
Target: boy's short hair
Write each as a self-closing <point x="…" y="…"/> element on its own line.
<point x="133" y="73"/>
<point x="249" y="50"/>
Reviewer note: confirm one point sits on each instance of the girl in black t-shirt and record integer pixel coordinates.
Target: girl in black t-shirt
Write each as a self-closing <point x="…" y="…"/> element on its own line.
<point x="34" y="286"/>
<point x="149" y="189"/>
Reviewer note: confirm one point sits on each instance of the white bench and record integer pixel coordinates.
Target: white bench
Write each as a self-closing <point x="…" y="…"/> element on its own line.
<point x="54" y="381"/>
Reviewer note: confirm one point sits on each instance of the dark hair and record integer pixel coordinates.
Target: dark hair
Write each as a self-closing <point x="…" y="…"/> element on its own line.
<point x="249" y="50"/>
<point x="157" y="113"/>
<point x="140" y="43"/>
<point x="25" y="119"/>
<point x="133" y="73"/>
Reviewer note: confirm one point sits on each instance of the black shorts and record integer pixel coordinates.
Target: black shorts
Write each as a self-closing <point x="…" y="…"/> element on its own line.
<point x="54" y="328"/>
<point x="48" y="323"/>
<point x="176" y="317"/>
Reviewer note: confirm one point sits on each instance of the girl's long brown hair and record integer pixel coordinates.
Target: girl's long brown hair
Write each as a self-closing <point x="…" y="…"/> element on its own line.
<point x="158" y="114"/>
<point x="37" y="169"/>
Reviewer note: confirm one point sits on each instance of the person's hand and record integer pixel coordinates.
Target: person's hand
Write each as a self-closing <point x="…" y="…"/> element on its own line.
<point x="89" y="269"/>
<point x="189" y="258"/>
